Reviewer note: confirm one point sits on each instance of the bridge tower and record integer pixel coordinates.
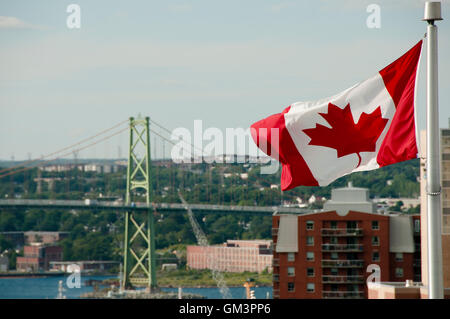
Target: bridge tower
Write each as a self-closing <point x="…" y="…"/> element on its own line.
<point x="139" y="240"/>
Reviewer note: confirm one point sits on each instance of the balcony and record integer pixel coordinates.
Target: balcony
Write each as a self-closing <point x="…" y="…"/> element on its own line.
<point x="275" y="262"/>
<point x="328" y="279"/>
<point x="343" y="263"/>
<point x="274" y="232"/>
<point x="341" y="232"/>
<point x="342" y="247"/>
<point x="343" y="294"/>
<point x="276" y="293"/>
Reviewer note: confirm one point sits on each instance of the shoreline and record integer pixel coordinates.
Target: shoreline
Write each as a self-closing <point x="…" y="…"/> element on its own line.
<point x="46" y="274"/>
<point x="62" y="274"/>
<point x="209" y="286"/>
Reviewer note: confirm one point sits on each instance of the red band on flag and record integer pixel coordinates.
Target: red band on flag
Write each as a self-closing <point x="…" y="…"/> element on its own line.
<point x="399" y="78"/>
<point x="295" y="171"/>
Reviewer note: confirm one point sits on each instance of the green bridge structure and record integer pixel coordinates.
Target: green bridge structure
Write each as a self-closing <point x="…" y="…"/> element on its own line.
<point x="139" y="240"/>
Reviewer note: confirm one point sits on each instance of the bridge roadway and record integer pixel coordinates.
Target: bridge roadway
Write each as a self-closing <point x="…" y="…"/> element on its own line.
<point x="159" y="207"/>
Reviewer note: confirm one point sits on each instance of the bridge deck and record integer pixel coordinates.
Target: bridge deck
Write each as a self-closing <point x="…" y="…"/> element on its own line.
<point x="160" y="207"/>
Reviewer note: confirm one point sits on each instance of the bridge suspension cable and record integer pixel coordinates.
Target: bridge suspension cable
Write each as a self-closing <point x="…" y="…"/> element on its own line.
<point x="62" y="149"/>
<point x="65" y="154"/>
<point x="169" y="140"/>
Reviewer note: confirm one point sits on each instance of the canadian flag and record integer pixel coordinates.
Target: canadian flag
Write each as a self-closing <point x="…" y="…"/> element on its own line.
<point x="367" y="126"/>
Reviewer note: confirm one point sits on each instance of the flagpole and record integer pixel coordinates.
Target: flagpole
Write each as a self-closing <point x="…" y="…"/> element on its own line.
<point x="434" y="210"/>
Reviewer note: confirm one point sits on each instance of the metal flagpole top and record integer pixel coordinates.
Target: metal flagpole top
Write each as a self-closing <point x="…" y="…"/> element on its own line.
<point x="432" y="11"/>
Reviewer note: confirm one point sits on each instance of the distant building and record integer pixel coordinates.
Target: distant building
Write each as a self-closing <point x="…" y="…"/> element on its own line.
<point x="56" y="168"/>
<point x="37" y="257"/>
<point x="327" y="254"/>
<point x="407" y="202"/>
<point x="4" y="263"/>
<point x="21" y="238"/>
<point x="86" y="266"/>
<point x="90" y="167"/>
<point x="232" y="256"/>
<point x="45" y="237"/>
<point x="49" y="180"/>
<point x="166" y="267"/>
<point x="100" y="168"/>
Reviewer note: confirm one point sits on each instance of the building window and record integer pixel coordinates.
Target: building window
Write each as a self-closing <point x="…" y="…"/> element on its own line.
<point x="333" y="240"/>
<point x="375" y="256"/>
<point x="352" y="225"/>
<point x="333" y="225"/>
<point x="375" y="241"/>
<point x="399" y="257"/>
<point x="310" y="255"/>
<point x="334" y="271"/>
<point x="417" y="225"/>
<point x="310" y="287"/>
<point x="334" y="256"/>
<point x="310" y="272"/>
<point x="291" y="271"/>
<point x="399" y="272"/>
<point x="291" y="257"/>
<point x="375" y="225"/>
<point x="309" y="225"/>
<point x="310" y="241"/>
<point x="291" y="287"/>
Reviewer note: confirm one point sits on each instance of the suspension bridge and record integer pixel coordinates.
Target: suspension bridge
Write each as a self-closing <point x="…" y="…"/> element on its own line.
<point x="139" y="255"/>
<point x="139" y="206"/>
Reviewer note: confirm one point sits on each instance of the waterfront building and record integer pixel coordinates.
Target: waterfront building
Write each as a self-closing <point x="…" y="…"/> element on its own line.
<point x="232" y="256"/>
<point x="4" y="263"/>
<point x="37" y="257"/>
<point x="85" y="266"/>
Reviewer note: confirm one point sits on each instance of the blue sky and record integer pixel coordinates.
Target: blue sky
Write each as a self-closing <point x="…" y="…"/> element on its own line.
<point x="229" y="63"/>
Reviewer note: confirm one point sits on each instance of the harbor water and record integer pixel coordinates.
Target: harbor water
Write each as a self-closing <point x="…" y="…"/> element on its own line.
<point x="47" y="288"/>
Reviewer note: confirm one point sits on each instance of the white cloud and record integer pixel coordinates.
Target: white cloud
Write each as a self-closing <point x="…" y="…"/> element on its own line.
<point x="14" y="23"/>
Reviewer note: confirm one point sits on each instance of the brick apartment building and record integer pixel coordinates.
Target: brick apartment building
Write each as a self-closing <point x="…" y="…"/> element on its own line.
<point x="385" y="290"/>
<point x="327" y="254"/>
<point x="37" y="257"/>
<point x="232" y="256"/>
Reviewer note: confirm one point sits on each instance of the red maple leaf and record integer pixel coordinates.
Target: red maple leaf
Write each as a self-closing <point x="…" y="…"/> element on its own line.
<point x="344" y="135"/>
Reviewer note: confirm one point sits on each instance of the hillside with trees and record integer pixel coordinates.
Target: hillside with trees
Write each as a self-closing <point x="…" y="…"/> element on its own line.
<point x="99" y="235"/>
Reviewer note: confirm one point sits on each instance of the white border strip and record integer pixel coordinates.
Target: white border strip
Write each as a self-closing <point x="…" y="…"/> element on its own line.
<point x="416" y="84"/>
